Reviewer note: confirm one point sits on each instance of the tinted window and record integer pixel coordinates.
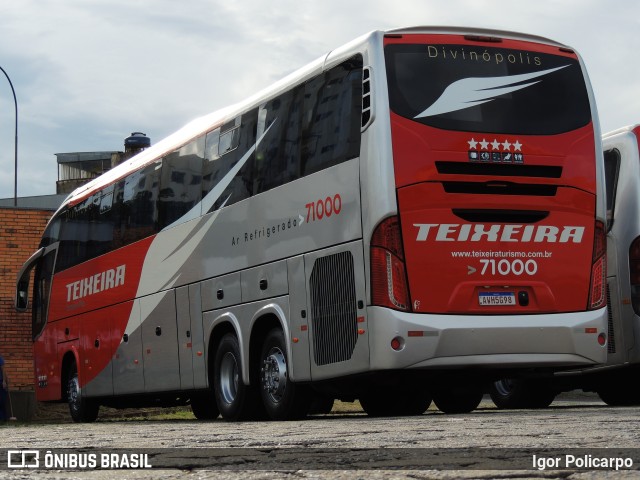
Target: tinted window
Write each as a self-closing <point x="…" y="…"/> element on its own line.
<point x="180" y="182"/>
<point x="278" y="154"/>
<point x="41" y="291"/>
<point x="332" y="114"/>
<point x="235" y="144"/>
<point x="139" y="210"/>
<point x="497" y="90"/>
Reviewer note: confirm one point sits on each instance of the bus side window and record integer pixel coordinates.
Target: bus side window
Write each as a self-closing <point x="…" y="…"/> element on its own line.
<point x="211" y="172"/>
<point x="140" y="195"/>
<point x="41" y="292"/>
<point x="236" y="139"/>
<point x="611" y="171"/>
<point x="278" y="154"/>
<point x="180" y="182"/>
<point x="332" y="110"/>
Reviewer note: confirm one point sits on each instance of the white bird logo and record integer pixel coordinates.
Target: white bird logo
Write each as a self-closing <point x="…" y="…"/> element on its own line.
<point x="469" y="92"/>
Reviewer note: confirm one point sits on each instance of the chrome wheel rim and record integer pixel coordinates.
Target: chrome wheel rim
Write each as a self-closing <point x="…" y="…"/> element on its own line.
<point x="274" y="374"/>
<point x="229" y="376"/>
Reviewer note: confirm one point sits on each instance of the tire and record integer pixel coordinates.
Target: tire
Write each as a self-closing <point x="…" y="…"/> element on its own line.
<point x="400" y="404"/>
<point x="82" y="409"/>
<point x="457" y="400"/>
<point x="511" y="393"/>
<point x="204" y="407"/>
<point x="235" y="400"/>
<point x="618" y="396"/>
<point x="282" y="398"/>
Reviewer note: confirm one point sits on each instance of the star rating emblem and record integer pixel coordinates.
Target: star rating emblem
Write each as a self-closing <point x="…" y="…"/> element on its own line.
<point x="472" y="144"/>
<point x="495" y="144"/>
<point x="506" y="145"/>
<point x="517" y="146"/>
<point x="484" y="144"/>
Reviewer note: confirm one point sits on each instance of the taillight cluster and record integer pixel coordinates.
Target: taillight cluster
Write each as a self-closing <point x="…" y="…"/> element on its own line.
<point x="389" y="286"/>
<point x="597" y="293"/>
<point x="634" y="274"/>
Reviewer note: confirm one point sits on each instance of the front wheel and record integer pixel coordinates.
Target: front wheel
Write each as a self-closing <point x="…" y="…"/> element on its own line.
<point x="82" y="409"/>
<point x="282" y="398"/>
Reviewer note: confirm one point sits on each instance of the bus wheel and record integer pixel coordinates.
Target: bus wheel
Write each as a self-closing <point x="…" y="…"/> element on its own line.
<point x="235" y="400"/>
<point x="399" y="404"/>
<point x="282" y="398"/>
<point x="83" y="410"/>
<point x="204" y="407"/>
<point x="617" y="396"/>
<point x="457" y="400"/>
<point x="513" y="393"/>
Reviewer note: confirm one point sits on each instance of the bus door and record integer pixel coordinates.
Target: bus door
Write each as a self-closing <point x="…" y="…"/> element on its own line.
<point x="193" y="372"/>
<point x="339" y="338"/>
<point x="47" y="366"/>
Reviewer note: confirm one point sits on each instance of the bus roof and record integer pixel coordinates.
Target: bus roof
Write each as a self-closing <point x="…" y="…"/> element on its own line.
<point x="213" y="120"/>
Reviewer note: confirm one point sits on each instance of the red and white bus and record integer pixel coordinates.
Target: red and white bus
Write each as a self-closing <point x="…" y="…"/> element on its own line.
<point x="412" y="214"/>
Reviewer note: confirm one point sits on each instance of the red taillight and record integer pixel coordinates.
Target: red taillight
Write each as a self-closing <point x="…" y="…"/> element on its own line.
<point x="634" y="274"/>
<point x="389" y="286"/>
<point x="597" y="295"/>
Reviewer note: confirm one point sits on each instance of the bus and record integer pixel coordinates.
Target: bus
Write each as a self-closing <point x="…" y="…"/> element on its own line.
<point x="411" y="215"/>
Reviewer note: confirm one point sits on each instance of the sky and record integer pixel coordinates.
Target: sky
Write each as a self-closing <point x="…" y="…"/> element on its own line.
<point x="87" y="73"/>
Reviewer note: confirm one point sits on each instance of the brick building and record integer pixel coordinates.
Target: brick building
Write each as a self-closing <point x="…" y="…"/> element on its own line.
<point x="20" y="230"/>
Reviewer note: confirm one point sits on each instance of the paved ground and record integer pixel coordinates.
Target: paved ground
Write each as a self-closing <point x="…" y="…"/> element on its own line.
<point x="348" y="445"/>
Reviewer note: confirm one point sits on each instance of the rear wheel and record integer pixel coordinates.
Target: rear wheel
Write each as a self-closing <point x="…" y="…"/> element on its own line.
<point x="282" y="398"/>
<point x="513" y="393"/>
<point x="235" y="400"/>
<point x="82" y="409"/>
<point x="619" y="396"/>
<point x="457" y="400"/>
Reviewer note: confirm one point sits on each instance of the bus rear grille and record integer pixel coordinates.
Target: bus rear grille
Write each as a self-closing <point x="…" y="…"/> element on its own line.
<point x="611" y="345"/>
<point x="334" y="319"/>
<point x="498" y="169"/>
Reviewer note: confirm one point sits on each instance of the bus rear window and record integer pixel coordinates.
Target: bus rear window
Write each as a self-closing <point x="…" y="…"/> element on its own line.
<point x="496" y="90"/>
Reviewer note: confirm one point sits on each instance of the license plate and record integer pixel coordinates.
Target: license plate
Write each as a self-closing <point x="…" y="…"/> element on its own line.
<point x="496" y="299"/>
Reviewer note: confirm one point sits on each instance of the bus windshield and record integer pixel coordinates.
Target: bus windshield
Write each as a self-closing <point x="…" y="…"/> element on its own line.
<point x="493" y="90"/>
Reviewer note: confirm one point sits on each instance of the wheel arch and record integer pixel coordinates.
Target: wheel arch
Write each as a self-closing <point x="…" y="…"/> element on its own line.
<point x="225" y="323"/>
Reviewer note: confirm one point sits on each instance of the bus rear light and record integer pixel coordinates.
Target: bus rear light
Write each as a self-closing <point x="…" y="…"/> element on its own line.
<point x="597" y="292"/>
<point x="389" y="287"/>
<point x="634" y="274"/>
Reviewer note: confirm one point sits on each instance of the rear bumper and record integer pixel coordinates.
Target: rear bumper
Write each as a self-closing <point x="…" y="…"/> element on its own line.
<point x="506" y="341"/>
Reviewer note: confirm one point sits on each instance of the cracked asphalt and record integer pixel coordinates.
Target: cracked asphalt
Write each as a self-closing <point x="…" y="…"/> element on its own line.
<point x="487" y="443"/>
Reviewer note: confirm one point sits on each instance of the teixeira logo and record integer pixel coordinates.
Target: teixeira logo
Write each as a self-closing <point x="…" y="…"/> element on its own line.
<point x="477" y="232"/>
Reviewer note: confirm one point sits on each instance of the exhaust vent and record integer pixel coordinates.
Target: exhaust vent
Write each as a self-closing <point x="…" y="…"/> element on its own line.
<point x="367" y="111"/>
